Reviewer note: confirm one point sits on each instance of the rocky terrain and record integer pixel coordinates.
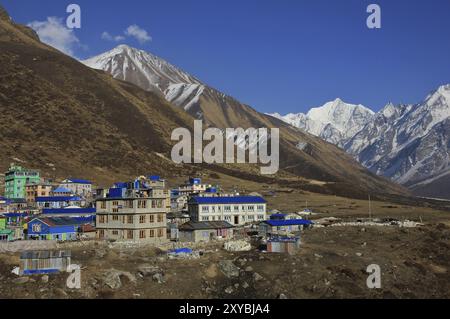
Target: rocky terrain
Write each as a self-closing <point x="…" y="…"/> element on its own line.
<point x="331" y="264"/>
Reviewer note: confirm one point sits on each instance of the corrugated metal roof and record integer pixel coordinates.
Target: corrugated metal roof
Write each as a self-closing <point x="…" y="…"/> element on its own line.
<point x="58" y="199"/>
<point x="45" y="254"/>
<point x="62" y="211"/>
<point x="79" y="181"/>
<point x="205" y="225"/>
<point x="61" y="190"/>
<point x="60" y="221"/>
<point x="228" y="200"/>
<point x="288" y="222"/>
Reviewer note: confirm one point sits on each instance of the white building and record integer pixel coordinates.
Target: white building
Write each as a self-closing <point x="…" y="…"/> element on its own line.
<point x="78" y="187"/>
<point x="236" y="210"/>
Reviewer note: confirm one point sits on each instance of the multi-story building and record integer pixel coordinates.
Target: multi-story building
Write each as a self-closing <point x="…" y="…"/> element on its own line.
<point x="33" y="190"/>
<point x="137" y="213"/>
<point x="236" y="210"/>
<point x="80" y="187"/>
<point x="193" y="186"/>
<point x="16" y="178"/>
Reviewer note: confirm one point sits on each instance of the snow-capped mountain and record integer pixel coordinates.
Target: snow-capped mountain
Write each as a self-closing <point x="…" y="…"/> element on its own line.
<point x="150" y="73"/>
<point x="335" y="122"/>
<point x="407" y="143"/>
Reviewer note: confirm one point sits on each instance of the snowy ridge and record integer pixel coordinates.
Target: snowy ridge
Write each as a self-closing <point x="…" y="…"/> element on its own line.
<point x="406" y="143"/>
<point x="185" y="95"/>
<point x="335" y="122"/>
<point x="150" y="73"/>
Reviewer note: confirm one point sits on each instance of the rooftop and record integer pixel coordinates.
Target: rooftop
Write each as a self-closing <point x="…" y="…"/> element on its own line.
<point x="78" y="181"/>
<point x="205" y="225"/>
<point x="228" y="200"/>
<point x="288" y="222"/>
<point x="58" y="199"/>
<point x="60" y="221"/>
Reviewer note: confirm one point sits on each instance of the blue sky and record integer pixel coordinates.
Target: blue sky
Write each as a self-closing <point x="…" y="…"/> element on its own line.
<point x="275" y="55"/>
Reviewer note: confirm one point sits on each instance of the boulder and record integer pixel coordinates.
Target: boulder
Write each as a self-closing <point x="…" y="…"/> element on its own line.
<point x="229" y="269"/>
<point x="112" y="278"/>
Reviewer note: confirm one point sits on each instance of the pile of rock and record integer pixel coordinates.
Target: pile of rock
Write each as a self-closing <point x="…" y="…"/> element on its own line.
<point x="237" y="245"/>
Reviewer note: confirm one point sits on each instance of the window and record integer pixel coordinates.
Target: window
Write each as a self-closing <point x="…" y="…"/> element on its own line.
<point x="101" y="233"/>
<point x="228" y="218"/>
<point x="101" y="219"/>
<point x="142" y="219"/>
<point x="115" y="203"/>
<point x="130" y="234"/>
<point x="115" y="210"/>
<point x="251" y="218"/>
<point x="205" y="208"/>
<point x="205" y="218"/>
<point x="227" y="208"/>
<point x="152" y="218"/>
<point x="161" y="232"/>
<point x="142" y="204"/>
<point x="115" y="232"/>
<point x="261" y="217"/>
<point x="153" y="204"/>
<point x="142" y="234"/>
<point x="160" y="218"/>
<point x="251" y="208"/>
<point x="36" y="228"/>
<point x="236" y="208"/>
<point x="115" y="217"/>
<point x="152" y="233"/>
<point x="260" y="208"/>
<point x="130" y="219"/>
<point x="103" y="205"/>
<point x="159" y="203"/>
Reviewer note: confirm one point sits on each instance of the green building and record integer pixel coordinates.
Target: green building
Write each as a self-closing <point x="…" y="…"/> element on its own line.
<point x="16" y="178"/>
<point x="5" y="234"/>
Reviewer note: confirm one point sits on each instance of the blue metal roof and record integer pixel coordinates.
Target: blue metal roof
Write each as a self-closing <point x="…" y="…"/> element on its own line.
<point x="62" y="190"/>
<point x="58" y="199"/>
<point x="62" y="211"/>
<point x="288" y="222"/>
<point x="228" y="200"/>
<point x="79" y="181"/>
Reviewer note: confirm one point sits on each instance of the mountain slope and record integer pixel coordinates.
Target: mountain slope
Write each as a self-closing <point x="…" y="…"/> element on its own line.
<point x="335" y="122"/>
<point x="301" y="154"/>
<point x="68" y="119"/>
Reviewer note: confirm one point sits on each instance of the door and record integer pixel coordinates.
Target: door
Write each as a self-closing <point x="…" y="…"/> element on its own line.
<point x="236" y="220"/>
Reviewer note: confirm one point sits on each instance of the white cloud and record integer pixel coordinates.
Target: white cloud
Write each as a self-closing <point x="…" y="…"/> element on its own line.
<point x="108" y="37"/>
<point x="54" y="33"/>
<point x="139" y="34"/>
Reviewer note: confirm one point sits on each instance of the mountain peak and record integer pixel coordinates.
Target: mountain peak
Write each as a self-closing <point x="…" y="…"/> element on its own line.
<point x="141" y="68"/>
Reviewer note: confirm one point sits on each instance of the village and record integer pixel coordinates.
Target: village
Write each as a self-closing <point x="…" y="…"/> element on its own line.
<point x="47" y="227"/>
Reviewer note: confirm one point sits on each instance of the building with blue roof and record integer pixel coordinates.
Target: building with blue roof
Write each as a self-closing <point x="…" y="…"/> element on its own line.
<point x="284" y="227"/>
<point x="55" y="228"/>
<point x="80" y="187"/>
<point x="236" y="210"/>
<point x="59" y="201"/>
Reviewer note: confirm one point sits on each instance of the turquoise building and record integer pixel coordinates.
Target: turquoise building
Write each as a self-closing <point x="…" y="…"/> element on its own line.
<point x="15" y="180"/>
